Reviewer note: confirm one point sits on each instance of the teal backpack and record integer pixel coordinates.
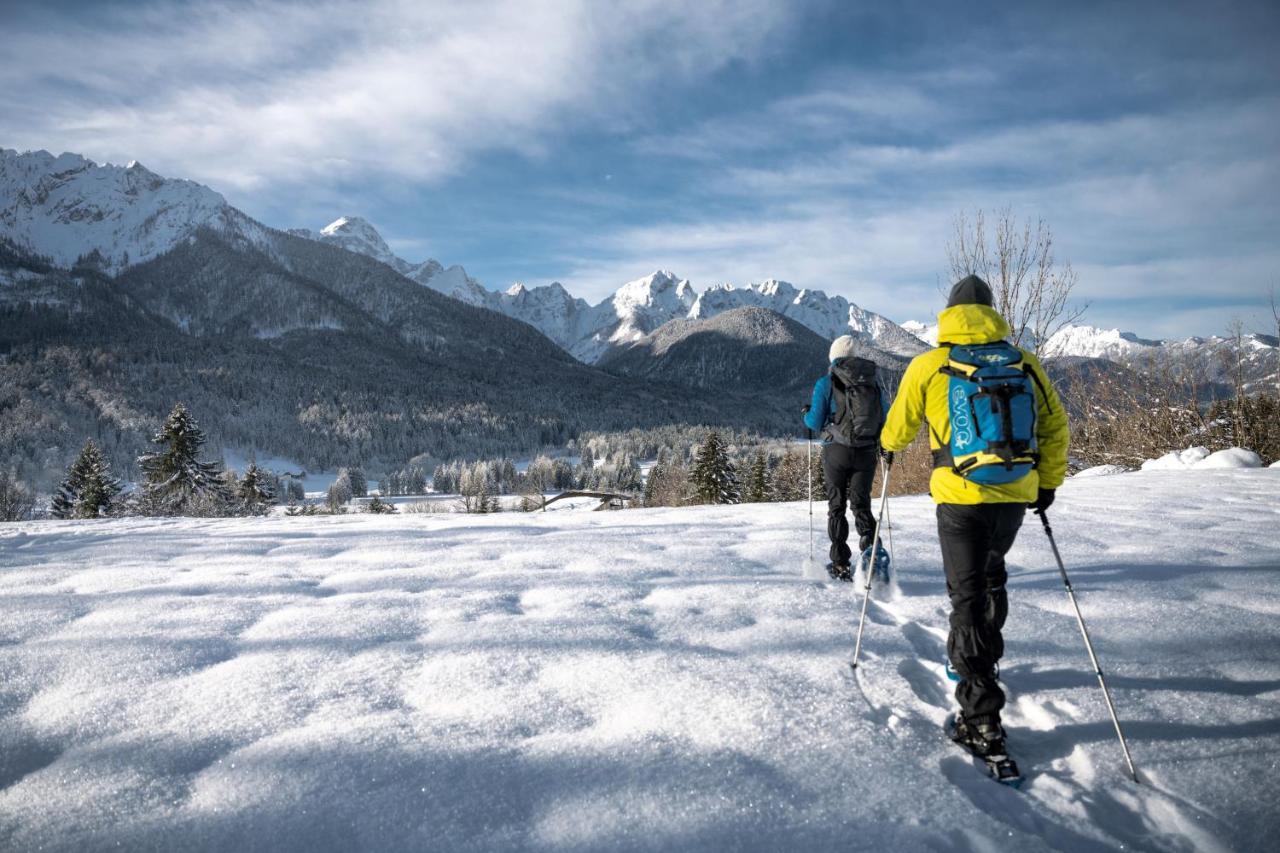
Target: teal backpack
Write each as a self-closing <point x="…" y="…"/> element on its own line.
<point x="992" y="402"/>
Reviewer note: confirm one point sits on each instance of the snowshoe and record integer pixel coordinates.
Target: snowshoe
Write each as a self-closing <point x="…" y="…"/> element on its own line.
<point x="986" y="743"/>
<point x="840" y="572"/>
<point x="879" y="566"/>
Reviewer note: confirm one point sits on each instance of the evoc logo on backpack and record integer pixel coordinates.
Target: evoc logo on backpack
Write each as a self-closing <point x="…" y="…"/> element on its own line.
<point x="992" y="404"/>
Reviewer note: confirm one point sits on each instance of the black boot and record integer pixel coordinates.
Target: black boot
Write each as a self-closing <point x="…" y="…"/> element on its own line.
<point x="840" y="571"/>
<point x="984" y="736"/>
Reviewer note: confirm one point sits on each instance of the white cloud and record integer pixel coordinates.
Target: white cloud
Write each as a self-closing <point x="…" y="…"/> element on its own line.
<point x="1154" y="209"/>
<point x="244" y="96"/>
<point x="885" y="261"/>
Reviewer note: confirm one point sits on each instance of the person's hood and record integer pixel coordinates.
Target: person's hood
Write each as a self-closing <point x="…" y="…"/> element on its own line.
<point x="971" y="324"/>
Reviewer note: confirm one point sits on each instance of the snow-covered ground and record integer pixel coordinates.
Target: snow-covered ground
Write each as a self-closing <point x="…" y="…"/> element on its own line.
<point x="631" y="680"/>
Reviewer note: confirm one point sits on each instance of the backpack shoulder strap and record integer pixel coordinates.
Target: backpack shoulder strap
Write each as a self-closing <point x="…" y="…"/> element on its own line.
<point x="1035" y="377"/>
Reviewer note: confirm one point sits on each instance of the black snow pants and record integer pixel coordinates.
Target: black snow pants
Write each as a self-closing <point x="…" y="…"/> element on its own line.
<point x="848" y="472"/>
<point x="974" y="541"/>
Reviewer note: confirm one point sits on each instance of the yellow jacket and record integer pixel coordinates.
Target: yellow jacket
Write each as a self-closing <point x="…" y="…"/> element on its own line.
<point x="922" y="396"/>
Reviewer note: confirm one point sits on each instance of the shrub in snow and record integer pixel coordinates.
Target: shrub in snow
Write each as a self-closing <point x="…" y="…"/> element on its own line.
<point x="379" y="507"/>
<point x="668" y="482"/>
<point x="340" y="492"/>
<point x="16" y="500"/>
<point x="476" y="492"/>
<point x="89" y="490"/>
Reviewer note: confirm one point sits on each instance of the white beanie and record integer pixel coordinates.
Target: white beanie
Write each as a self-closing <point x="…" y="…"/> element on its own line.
<point x="841" y="347"/>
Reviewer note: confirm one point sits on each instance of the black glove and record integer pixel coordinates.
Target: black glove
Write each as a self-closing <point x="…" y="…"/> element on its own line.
<point x="887" y="456"/>
<point x="1044" y="500"/>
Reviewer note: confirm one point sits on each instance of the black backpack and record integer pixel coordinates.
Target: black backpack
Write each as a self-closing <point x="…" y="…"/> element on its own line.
<point x="859" y="415"/>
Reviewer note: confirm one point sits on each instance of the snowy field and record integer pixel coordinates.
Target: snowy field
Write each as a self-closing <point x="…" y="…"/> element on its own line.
<point x="631" y="680"/>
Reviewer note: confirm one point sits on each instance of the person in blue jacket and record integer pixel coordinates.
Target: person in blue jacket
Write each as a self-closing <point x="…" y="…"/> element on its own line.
<point x="848" y="411"/>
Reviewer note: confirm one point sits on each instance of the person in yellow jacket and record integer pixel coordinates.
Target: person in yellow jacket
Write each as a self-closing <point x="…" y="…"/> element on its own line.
<point x="982" y="488"/>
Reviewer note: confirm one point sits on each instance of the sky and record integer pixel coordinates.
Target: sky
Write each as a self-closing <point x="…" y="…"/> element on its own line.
<point x="829" y="144"/>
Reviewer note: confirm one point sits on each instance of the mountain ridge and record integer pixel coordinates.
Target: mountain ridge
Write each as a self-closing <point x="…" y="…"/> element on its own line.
<point x="590" y="332"/>
<point x="768" y="356"/>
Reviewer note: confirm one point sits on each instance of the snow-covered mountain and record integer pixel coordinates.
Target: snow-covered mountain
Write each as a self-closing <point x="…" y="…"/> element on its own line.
<point x="1213" y="357"/>
<point x="829" y="316"/>
<point x="927" y="332"/>
<point x="356" y="234"/>
<point x="67" y="208"/>
<point x="590" y="332"/>
<point x="451" y="281"/>
<point x="70" y="209"/>
<point x="1093" y="342"/>
<point x="754" y="350"/>
<point x="550" y="308"/>
<point x="633" y="311"/>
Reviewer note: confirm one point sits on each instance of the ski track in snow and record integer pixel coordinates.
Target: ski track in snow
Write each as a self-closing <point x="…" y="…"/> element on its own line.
<point x="631" y="680"/>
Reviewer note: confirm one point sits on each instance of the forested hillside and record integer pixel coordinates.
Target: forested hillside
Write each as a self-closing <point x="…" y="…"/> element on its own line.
<point x="295" y="348"/>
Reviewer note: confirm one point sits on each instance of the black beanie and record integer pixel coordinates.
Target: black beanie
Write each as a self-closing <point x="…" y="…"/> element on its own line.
<point x="970" y="290"/>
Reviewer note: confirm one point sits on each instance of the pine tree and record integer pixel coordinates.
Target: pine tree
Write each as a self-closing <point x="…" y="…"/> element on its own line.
<point x="656" y="474"/>
<point x="819" y="479"/>
<point x="255" y="491"/>
<point x="177" y="482"/>
<point x="790" y="481"/>
<point x="713" y="477"/>
<point x="89" y="489"/>
<point x="359" y="483"/>
<point x="758" y="488"/>
<point x="628" y="476"/>
<point x="585" y="477"/>
<point x="231" y="483"/>
<point x="562" y="474"/>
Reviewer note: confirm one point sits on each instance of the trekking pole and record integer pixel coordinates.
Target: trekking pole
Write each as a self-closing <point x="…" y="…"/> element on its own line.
<point x="875" y="545"/>
<point x="1084" y="632"/>
<point x="809" y="470"/>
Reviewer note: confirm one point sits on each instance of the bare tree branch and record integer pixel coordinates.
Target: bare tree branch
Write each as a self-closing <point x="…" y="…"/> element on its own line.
<point x="1032" y="292"/>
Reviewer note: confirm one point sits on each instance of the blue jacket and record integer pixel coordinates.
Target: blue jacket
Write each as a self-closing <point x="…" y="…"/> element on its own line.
<point x="822" y="408"/>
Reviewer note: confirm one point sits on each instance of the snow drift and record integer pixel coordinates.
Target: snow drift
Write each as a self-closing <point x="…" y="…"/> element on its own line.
<point x="1200" y="457"/>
